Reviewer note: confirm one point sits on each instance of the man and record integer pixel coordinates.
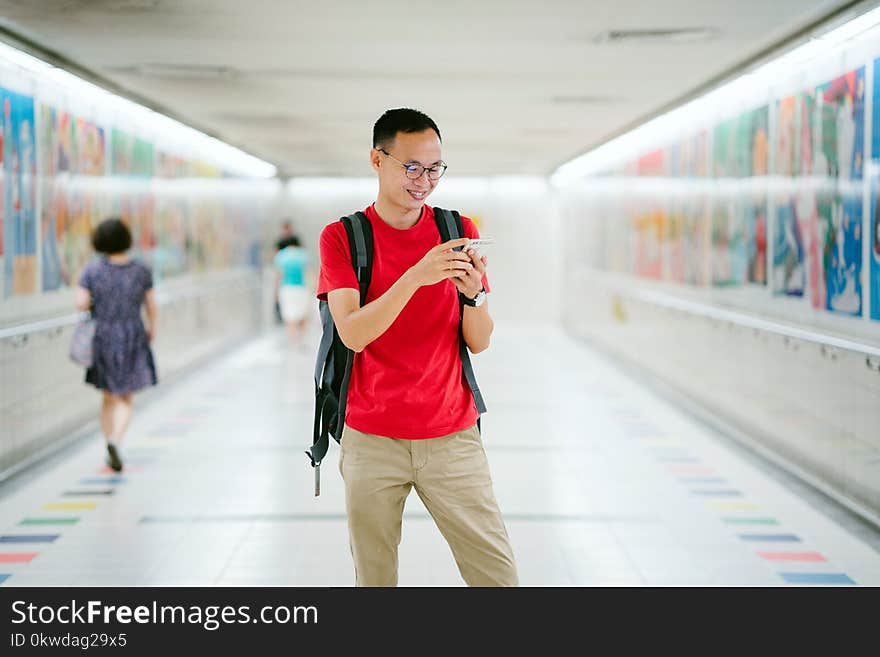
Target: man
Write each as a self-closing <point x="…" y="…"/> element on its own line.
<point x="411" y="419"/>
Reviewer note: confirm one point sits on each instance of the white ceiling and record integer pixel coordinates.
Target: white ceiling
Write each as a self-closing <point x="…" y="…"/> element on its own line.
<point x="515" y="87"/>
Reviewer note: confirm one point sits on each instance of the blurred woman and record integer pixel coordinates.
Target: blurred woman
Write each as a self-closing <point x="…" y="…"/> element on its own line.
<point x="115" y="287"/>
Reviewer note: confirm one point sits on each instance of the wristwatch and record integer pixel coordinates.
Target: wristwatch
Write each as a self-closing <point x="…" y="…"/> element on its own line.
<point x="476" y="301"/>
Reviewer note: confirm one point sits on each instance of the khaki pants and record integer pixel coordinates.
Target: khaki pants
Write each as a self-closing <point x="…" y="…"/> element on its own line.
<point x="451" y="476"/>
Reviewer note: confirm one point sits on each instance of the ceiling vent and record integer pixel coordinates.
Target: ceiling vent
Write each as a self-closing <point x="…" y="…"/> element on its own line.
<point x="96" y="6"/>
<point x="179" y="71"/>
<point x="124" y="6"/>
<point x="679" y="34"/>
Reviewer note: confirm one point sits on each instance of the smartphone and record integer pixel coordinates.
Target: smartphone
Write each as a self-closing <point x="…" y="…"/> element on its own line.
<point x="480" y="245"/>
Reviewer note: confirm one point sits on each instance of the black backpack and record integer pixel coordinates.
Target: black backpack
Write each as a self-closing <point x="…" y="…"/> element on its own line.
<point x="334" y="362"/>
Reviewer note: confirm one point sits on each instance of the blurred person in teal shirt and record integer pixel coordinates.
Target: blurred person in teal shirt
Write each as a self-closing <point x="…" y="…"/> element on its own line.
<point x="294" y="282"/>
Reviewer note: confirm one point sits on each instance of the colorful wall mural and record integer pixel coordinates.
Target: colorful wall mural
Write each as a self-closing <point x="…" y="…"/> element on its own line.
<point x="874" y="234"/>
<point x="768" y="197"/>
<point x="62" y="173"/>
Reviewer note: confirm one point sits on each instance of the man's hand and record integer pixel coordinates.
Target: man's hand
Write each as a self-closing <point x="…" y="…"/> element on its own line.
<point x="441" y="263"/>
<point x="470" y="281"/>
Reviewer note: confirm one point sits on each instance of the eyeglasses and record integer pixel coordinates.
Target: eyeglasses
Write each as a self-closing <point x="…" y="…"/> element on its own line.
<point x="415" y="171"/>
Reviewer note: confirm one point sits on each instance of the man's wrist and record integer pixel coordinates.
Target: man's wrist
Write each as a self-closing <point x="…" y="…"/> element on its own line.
<point x="409" y="282"/>
<point x="473" y="299"/>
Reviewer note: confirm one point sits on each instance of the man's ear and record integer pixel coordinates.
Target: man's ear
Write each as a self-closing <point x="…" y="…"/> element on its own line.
<point x="375" y="160"/>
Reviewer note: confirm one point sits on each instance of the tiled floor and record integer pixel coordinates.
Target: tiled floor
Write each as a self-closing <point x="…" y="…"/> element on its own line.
<point x="601" y="482"/>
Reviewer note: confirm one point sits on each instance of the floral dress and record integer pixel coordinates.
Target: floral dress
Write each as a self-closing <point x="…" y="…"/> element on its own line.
<point x="123" y="360"/>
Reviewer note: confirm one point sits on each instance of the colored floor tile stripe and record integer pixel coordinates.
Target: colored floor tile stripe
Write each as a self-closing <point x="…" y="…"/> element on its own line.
<point x="817" y="578"/>
<point x="750" y="521"/>
<point x="792" y="556"/>
<point x="773" y="538"/>
<point x="49" y="521"/>
<point x="70" y="506"/>
<point x="103" y="480"/>
<point x="29" y="538"/>
<point x="4" y="577"/>
<point x="724" y="492"/>
<point x="17" y="557"/>
<point x="87" y="493"/>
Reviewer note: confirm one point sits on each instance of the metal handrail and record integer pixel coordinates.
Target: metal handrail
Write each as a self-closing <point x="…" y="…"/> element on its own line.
<point x="749" y="321"/>
<point x="69" y="320"/>
<point x="44" y="325"/>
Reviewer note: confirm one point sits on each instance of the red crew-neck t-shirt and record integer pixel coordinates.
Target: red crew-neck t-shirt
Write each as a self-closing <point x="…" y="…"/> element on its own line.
<point x="407" y="383"/>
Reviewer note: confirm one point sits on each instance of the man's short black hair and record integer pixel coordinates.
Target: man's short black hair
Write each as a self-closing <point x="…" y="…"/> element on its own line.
<point x="401" y="119"/>
<point x="111" y="236"/>
<point x="284" y="242"/>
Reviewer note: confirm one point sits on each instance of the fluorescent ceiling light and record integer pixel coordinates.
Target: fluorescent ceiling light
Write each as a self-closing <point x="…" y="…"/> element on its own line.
<point x="196" y="144"/>
<point x="23" y="60"/>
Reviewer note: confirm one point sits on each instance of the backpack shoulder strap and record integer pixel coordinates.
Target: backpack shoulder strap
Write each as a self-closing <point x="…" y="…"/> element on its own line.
<point x="360" y="243"/>
<point x="449" y="224"/>
<point x="450" y="227"/>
